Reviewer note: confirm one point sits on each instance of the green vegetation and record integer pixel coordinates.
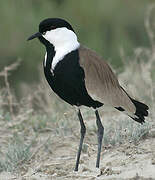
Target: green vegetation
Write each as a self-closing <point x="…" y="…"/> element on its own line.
<point x="107" y="26"/>
<point x="16" y="154"/>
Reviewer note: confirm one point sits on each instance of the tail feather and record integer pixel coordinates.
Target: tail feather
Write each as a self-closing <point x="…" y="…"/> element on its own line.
<point x="141" y="111"/>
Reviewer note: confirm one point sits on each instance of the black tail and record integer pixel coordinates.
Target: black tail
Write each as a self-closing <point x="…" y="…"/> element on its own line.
<point x="141" y="111"/>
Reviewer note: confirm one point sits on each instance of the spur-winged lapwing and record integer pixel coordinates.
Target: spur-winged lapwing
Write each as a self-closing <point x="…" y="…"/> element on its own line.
<point x="80" y="77"/>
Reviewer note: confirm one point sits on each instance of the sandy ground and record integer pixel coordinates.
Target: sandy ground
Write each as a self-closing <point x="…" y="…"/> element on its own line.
<point x="128" y="161"/>
<point x="53" y="157"/>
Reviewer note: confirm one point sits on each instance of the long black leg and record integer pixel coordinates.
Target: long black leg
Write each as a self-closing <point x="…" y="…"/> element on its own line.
<point x="83" y="131"/>
<point x="99" y="137"/>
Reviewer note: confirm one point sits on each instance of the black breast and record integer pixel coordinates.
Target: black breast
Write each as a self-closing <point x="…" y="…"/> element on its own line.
<point x="67" y="80"/>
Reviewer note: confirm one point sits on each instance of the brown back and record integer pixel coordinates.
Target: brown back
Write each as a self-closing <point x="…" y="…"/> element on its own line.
<point x="101" y="82"/>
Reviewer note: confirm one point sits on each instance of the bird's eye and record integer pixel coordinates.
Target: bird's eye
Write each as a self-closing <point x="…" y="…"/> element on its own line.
<point x="44" y="33"/>
<point x="53" y="27"/>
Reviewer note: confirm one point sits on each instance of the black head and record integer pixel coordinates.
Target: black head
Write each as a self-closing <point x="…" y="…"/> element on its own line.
<point x="50" y="24"/>
<point x="53" y="23"/>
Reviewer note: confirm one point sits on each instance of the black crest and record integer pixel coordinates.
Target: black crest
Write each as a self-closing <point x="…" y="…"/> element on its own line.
<point x="53" y="23"/>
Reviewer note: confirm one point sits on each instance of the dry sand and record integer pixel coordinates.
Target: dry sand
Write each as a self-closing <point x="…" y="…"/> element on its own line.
<point x="128" y="161"/>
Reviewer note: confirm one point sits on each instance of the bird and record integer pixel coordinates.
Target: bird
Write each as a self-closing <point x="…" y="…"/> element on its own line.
<point x="81" y="77"/>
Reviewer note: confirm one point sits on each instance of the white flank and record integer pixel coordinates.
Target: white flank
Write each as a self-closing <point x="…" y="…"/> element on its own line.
<point x="64" y="41"/>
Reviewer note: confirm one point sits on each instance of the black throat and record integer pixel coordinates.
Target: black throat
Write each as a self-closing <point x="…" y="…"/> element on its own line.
<point x="50" y="52"/>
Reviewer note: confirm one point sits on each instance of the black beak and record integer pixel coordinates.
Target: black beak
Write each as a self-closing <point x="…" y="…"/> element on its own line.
<point x="38" y="34"/>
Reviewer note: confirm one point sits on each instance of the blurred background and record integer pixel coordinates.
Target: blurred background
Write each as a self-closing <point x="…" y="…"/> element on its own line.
<point x="39" y="133"/>
<point x="110" y="27"/>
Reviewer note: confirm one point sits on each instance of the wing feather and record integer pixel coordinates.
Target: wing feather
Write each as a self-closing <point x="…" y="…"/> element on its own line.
<point x="101" y="82"/>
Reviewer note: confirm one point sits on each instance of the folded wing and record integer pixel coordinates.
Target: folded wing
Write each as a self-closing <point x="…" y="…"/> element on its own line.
<point x="101" y="82"/>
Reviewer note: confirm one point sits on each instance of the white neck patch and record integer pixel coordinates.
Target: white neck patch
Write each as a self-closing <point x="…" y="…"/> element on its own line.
<point x="64" y="41"/>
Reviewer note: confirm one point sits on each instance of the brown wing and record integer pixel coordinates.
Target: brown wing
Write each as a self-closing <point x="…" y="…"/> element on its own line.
<point x="101" y="82"/>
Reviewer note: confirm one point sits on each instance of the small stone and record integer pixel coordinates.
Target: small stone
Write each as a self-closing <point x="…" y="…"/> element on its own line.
<point x="152" y="133"/>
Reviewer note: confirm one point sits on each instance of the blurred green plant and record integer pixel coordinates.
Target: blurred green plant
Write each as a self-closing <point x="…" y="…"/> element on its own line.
<point x="104" y="25"/>
<point x="16" y="154"/>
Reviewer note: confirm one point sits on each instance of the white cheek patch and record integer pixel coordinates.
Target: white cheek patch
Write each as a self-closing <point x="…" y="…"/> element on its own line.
<point x="64" y="41"/>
